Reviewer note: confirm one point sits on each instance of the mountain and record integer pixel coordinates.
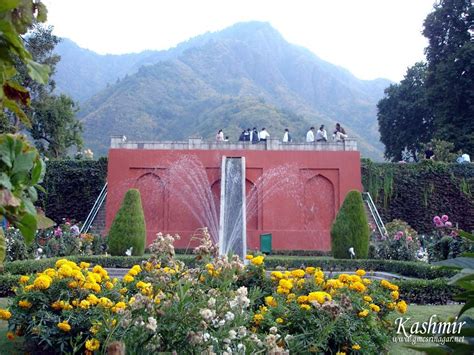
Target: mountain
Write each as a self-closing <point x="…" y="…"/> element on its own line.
<point x="246" y="75"/>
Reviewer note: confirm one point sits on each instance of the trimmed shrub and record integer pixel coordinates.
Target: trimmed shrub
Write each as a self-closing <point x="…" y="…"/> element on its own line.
<point x="427" y="291"/>
<point x="351" y="228"/>
<point x="3" y="249"/>
<point x="7" y="283"/>
<point x="128" y="228"/>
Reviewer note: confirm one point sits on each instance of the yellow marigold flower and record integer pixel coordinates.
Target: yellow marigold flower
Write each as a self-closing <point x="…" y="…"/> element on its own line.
<point x="123" y="290"/>
<point x="394" y="295"/>
<point x="298" y="273"/>
<point x="157" y="300"/>
<point x="29" y="288"/>
<point x="42" y="282"/>
<point x="302" y="299"/>
<point x="92" y="299"/>
<point x="92" y="344"/>
<point x="105" y="302"/>
<point x="290" y="297"/>
<point x="95" y="328"/>
<point x="276" y="275"/>
<point x="300" y="283"/>
<point x="24" y="279"/>
<point x="363" y="314"/>
<point x="84" y="265"/>
<point x="65" y="270"/>
<point x="344" y="278"/>
<point x="72" y="284"/>
<point x="65" y="305"/>
<point x="60" y="262"/>
<point x="49" y="272"/>
<point x="84" y="304"/>
<point x="285" y="284"/>
<point x="56" y="305"/>
<point x="389" y="285"/>
<point x="279" y="320"/>
<point x="366" y="281"/>
<point x="263" y="309"/>
<point x="391" y="305"/>
<point x="249" y="257"/>
<point x="360" y="272"/>
<point x="319" y="296"/>
<point x="374" y="307"/>
<point x="131" y="300"/>
<point x="402" y="306"/>
<point x="340" y="353"/>
<point x="310" y="270"/>
<point x="96" y="288"/>
<point x="368" y="299"/>
<point x="282" y="290"/>
<point x="305" y="306"/>
<point x="356" y="347"/>
<point x="319" y="273"/>
<point x="335" y="284"/>
<point x="137" y="268"/>
<point x="78" y="276"/>
<point x="10" y="336"/>
<point x="132" y="272"/>
<point x="109" y="285"/>
<point x="5" y="314"/>
<point x="270" y="301"/>
<point x="358" y="286"/>
<point x="64" y="326"/>
<point x="118" y="306"/>
<point x="355" y="278"/>
<point x="25" y="304"/>
<point x="258" y="260"/>
<point x="257" y="318"/>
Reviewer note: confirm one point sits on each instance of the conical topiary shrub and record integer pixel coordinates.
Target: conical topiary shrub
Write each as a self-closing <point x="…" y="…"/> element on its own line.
<point x="350" y="228"/>
<point x="128" y="228"/>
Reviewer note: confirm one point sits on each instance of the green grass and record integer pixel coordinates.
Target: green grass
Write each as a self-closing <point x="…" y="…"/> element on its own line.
<point x="423" y="314"/>
<point x="11" y="347"/>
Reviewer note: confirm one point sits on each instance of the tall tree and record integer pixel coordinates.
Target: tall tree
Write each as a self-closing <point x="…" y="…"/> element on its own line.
<point x="450" y="80"/>
<point x="404" y="117"/>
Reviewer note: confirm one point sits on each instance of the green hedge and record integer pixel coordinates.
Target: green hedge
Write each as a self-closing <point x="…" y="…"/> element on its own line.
<point x="427" y="291"/>
<point x="404" y="268"/>
<point x="7" y="282"/>
<point x="72" y="187"/>
<point x="417" y="192"/>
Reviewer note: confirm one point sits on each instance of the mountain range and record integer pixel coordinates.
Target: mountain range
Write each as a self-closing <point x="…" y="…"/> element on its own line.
<point x="244" y="76"/>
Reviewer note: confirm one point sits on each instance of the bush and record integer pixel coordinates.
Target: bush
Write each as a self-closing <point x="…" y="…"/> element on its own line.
<point x="128" y="228"/>
<point x="3" y="248"/>
<point x="401" y="243"/>
<point x="162" y="306"/>
<point x="7" y="283"/>
<point x="436" y="291"/>
<point x="351" y="228"/>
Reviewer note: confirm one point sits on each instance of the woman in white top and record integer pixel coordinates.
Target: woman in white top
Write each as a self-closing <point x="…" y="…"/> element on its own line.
<point x="310" y="135"/>
<point x="286" y="136"/>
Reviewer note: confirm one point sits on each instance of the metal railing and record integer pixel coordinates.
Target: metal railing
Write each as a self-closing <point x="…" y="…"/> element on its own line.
<point x="95" y="209"/>
<point x="375" y="213"/>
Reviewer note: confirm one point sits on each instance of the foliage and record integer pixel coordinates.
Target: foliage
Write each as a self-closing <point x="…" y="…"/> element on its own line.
<point x="436" y="99"/>
<point x="162" y="306"/>
<point x="436" y="291"/>
<point x="70" y="181"/>
<point x="405" y="119"/>
<point x="128" y="227"/>
<point x="415" y="192"/>
<point x="16" y="18"/>
<point x="350" y="228"/>
<point x="445" y="242"/>
<point x="55" y="128"/>
<point x="401" y="243"/>
<point x="3" y="249"/>
<point x="21" y="170"/>
<point x="443" y="151"/>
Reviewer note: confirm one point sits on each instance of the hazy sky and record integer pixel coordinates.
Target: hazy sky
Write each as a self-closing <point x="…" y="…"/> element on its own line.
<point x="371" y="38"/>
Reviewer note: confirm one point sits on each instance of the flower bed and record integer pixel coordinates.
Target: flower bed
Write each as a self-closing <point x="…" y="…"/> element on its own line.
<point x="220" y="306"/>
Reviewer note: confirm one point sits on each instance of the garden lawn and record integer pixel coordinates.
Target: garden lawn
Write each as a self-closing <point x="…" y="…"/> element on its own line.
<point x="11" y="347"/>
<point x="423" y="314"/>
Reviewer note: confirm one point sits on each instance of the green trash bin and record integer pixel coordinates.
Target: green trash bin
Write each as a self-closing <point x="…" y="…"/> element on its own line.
<point x="266" y="243"/>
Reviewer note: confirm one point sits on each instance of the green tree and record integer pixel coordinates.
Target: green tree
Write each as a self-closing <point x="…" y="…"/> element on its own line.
<point x="450" y="80"/>
<point x="350" y="228"/>
<point x="54" y="127"/>
<point x="405" y="119"/>
<point x="443" y="150"/>
<point x="128" y="228"/>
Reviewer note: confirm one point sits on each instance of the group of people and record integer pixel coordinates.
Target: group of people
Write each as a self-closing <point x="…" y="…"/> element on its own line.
<point x="322" y="135"/>
<point x="254" y="136"/>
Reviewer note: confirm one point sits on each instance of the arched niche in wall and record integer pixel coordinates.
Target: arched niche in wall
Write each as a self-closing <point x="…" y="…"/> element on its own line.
<point x="152" y="191"/>
<point x="319" y="203"/>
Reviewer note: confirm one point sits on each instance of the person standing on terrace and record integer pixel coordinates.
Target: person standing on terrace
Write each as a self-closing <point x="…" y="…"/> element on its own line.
<point x="310" y="135"/>
<point x="220" y="136"/>
<point x="263" y="135"/>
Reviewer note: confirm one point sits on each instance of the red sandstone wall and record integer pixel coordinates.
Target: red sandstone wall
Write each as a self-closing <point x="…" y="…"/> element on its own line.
<point x="299" y="216"/>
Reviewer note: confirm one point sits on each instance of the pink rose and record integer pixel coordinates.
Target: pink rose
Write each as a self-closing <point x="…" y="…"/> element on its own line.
<point x="436" y="220"/>
<point x="409" y="238"/>
<point x="444" y="217"/>
<point x="448" y="224"/>
<point x="439" y="224"/>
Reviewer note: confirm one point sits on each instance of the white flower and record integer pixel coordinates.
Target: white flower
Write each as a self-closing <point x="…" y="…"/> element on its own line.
<point x="212" y="302"/>
<point x="151" y="324"/>
<point x="207" y="314"/>
<point x="229" y="316"/>
<point x="221" y="322"/>
<point x="242" y="291"/>
<point x="273" y="330"/>
<point x="206" y="336"/>
<point x="242" y="331"/>
<point x="232" y="334"/>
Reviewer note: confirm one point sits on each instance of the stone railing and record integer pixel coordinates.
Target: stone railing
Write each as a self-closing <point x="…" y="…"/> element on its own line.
<point x="121" y="142"/>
